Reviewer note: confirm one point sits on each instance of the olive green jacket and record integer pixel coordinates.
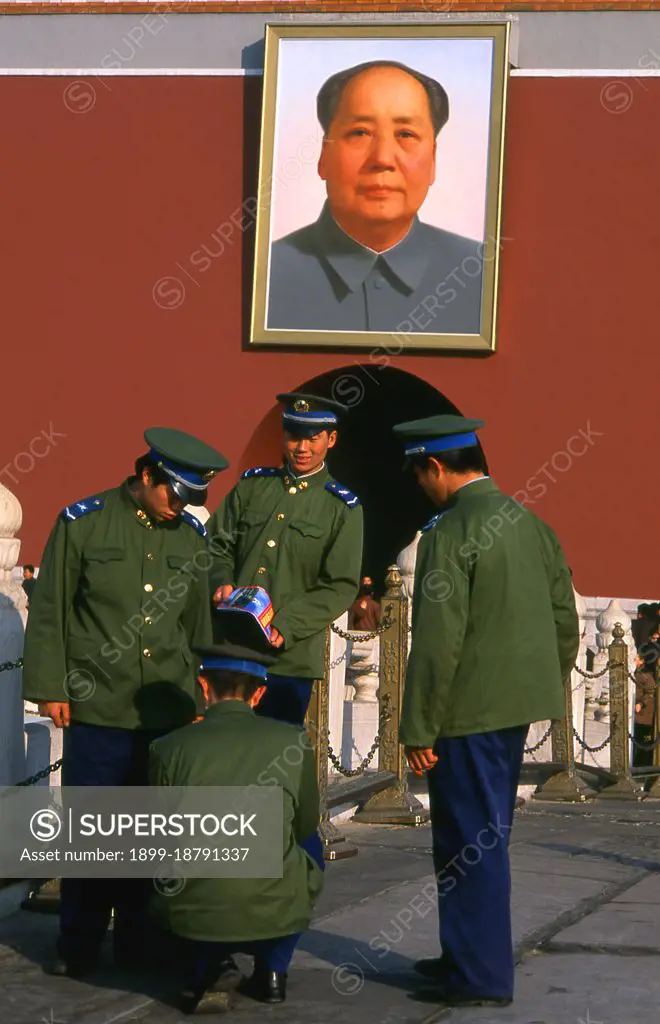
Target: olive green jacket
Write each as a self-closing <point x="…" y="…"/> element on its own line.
<point x="120" y="601"/>
<point x="301" y="542"/>
<point x="494" y="627"/>
<point x="234" y="747"/>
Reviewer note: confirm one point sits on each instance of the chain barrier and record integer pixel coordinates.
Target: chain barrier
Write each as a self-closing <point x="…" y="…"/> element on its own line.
<point x="360" y="637"/>
<point x="593" y="675"/>
<point x="350" y="773"/>
<point x="44" y="773"/>
<point x="337" y="661"/>
<point x="537" y="746"/>
<point x="585" y="745"/>
<point x="5" y="666"/>
<point x="639" y="745"/>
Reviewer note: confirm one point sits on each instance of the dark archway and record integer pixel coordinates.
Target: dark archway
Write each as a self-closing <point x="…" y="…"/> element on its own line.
<point x="368" y="459"/>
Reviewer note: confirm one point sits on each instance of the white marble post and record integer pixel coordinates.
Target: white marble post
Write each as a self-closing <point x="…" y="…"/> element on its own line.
<point x="406" y="562"/>
<point x="578" y="682"/>
<point x="338" y="661"/>
<point x="361" y="713"/>
<point x="13" y="616"/>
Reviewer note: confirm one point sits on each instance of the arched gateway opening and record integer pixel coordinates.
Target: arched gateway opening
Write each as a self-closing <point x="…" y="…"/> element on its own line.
<point x="368" y="459"/>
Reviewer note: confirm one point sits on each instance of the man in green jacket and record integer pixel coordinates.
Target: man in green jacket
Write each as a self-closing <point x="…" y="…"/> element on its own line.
<point x="494" y="636"/>
<point x="297" y="533"/>
<point x="263" y="917"/>
<point x="122" y="596"/>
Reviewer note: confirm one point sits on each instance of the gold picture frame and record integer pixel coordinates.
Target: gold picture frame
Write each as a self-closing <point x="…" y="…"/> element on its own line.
<point x="289" y="285"/>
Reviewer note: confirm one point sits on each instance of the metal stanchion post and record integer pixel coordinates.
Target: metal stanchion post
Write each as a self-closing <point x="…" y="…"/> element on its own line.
<point x="394" y="805"/>
<point x="624" y="787"/>
<point x="335" y="846"/>
<point x="566" y="786"/>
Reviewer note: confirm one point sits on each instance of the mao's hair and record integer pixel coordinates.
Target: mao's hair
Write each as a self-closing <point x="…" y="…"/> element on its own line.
<point x="458" y="460"/>
<point x="331" y="92"/>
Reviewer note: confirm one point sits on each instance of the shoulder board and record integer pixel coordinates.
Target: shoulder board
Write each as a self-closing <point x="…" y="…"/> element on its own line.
<point x="260" y="471"/>
<point x="431" y="523"/>
<point x="342" y="493"/>
<point x="195" y="523"/>
<point x="81" y="508"/>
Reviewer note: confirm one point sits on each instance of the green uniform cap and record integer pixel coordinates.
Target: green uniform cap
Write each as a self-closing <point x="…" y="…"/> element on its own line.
<point x="189" y="462"/>
<point x="306" y="415"/>
<point x="438" y="434"/>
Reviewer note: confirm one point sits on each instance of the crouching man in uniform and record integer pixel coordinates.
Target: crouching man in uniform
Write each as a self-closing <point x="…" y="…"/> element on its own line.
<point x="494" y="635"/>
<point x="263" y="917"/>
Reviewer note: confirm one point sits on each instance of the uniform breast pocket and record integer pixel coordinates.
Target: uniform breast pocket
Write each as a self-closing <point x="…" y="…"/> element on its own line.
<point x="306" y="538"/>
<point x="104" y="566"/>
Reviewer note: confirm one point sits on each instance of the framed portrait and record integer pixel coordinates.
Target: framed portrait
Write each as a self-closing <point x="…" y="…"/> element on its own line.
<point x="378" y="211"/>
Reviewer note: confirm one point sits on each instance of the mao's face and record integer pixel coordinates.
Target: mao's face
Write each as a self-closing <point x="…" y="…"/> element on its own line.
<point x="378" y="160"/>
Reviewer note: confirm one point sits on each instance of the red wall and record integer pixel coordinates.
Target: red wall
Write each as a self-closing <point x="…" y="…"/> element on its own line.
<point x="100" y="205"/>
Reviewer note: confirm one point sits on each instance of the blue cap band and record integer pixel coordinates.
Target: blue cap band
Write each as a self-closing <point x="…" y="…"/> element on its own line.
<point x="253" y="668"/>
<point x="189" y="477"/>
<point x="310" y="418"/>
<point x="441" y="444"/>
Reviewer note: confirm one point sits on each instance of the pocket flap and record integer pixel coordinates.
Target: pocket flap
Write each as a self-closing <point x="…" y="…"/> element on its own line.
<point x="307" y="529"/>
<point x="104" y="554"/>
<point x="176" y="561"/>
<point x="252" y="516"/>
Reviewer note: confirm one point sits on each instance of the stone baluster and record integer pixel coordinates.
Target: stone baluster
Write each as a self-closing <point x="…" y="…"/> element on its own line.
<point x="363" y="670"/>
<point x="406" y="562"/>
<point x="13" y="616"/>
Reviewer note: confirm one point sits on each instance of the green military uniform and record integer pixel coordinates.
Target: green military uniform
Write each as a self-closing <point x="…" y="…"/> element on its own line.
<point x="120" y="601"/>
<point x="122" y="597"/>
<point x="494" y="620"/>
<point x="234" y="747"/>
<point x="494" y="634"/>
<point x="300" y="538"/>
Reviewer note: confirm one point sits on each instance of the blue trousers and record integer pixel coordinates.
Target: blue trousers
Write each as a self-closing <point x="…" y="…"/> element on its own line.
<point x="99" y="755"/>
<point x="269" y="954"/>
<point x="472" y="792"/>
<point x="286" y="699"/>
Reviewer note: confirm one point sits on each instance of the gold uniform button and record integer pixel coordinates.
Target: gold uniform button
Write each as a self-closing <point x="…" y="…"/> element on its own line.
<point x="150" y="557"/>
<point x="303" y="485"/>
<point x="280" y="515"/>
<point x="292" y="490"/>
<point x="271" y="543"/>
<point x="148" y="620"/>
<point x="148" y="587"/>
<point x="261" y="570"/>
<point x="146" y="652"/>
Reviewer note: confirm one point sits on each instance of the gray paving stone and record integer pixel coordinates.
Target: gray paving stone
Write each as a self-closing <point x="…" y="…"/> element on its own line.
<point x="577" y="989"/>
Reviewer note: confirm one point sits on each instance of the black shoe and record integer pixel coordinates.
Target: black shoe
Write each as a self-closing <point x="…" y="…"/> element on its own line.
<point x="446" y="997"/>
<point x="266" y="986"/>
<point x="70" y="968"/>
<point x="229" y="977"/>
<point x="433" y="967"/>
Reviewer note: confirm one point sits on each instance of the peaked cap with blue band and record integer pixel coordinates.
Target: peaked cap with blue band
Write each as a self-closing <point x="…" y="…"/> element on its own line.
<point x="438" y="434"/>
<point x="235" y="659"/>
<point x="305" y="415"/>
<point x="187" y="461"/>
